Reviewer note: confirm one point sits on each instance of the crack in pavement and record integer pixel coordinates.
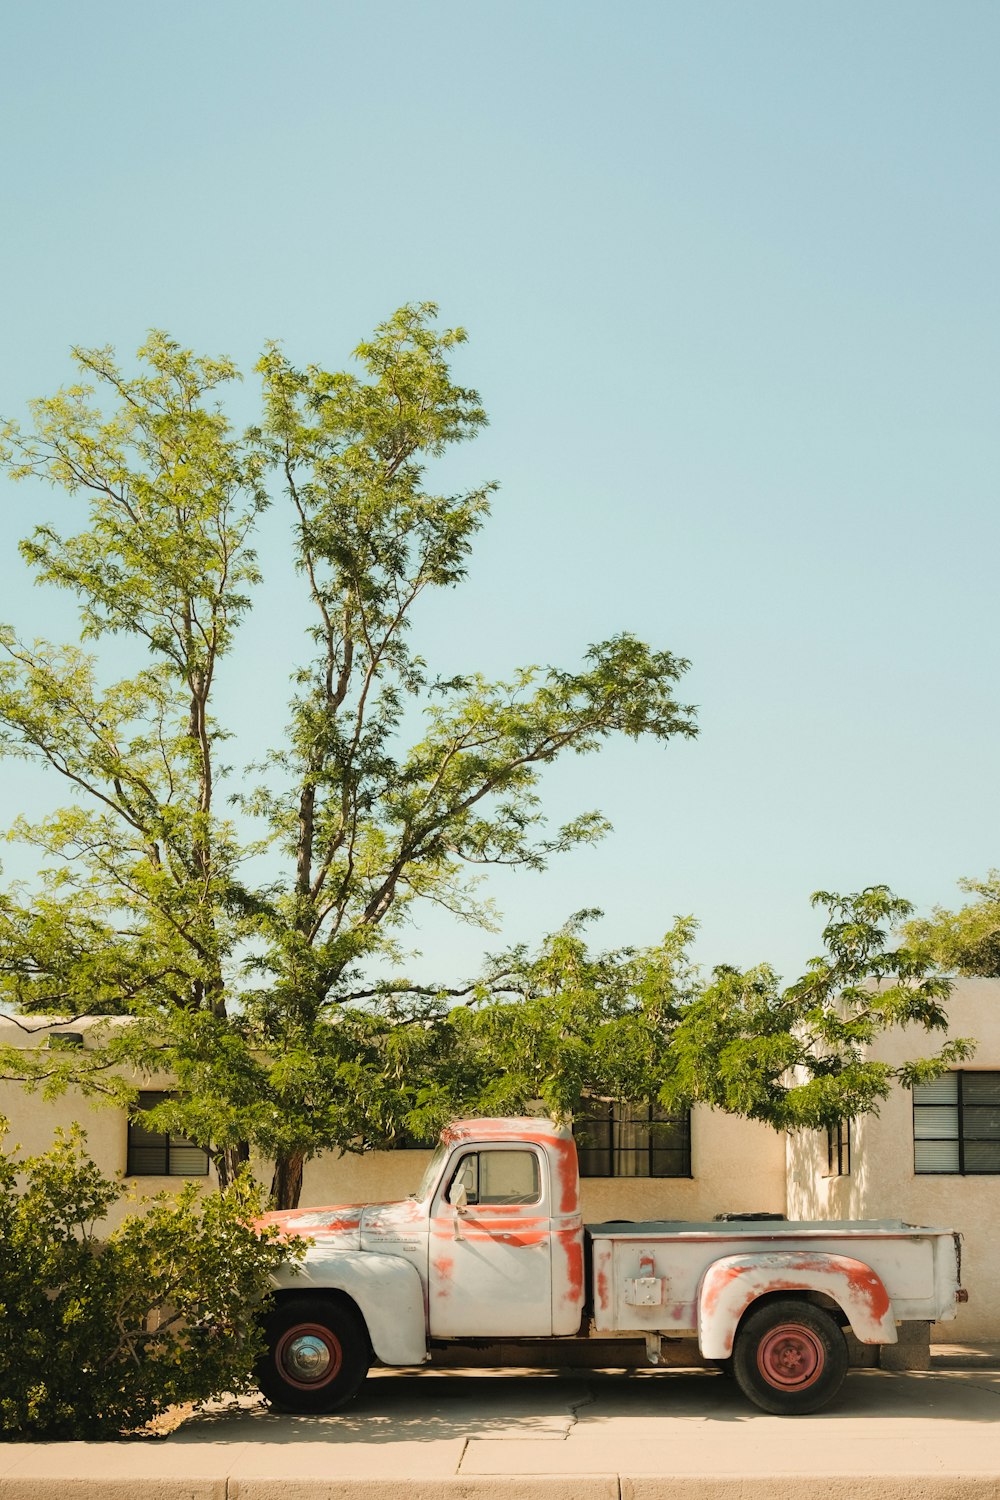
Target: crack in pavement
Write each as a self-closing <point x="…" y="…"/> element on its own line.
<point x="575" y="1408"/>
<point x="993" y="1390"/>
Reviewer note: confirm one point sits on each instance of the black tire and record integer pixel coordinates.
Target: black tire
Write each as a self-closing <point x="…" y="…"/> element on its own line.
<point x="790" y="1357"/>
<point x="317" y="1355"/>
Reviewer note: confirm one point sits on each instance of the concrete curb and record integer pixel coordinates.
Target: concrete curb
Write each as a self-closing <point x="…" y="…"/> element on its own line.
<point x="779" y="1486"/>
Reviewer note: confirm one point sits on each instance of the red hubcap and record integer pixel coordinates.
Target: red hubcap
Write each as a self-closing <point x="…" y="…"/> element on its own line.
<point x="309" y="1356"/>
<point x="791" y="1357"/>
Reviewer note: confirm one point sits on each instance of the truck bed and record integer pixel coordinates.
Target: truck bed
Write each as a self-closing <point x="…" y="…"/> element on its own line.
<point x="665" y="1260"/>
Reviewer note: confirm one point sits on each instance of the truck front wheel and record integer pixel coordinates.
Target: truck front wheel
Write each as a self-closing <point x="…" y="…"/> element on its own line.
<point x="789" y="1357"/>
<point x="317" y="1354"/>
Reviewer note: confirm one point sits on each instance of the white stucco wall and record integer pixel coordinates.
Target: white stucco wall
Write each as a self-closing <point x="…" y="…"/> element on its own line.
<point x="33" y="1120"/>
<point x="883" y="1184"/>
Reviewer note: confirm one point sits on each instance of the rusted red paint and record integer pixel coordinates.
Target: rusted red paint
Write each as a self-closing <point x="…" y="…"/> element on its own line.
<point x="719" y="1277"/>
<point x="603" y="1291"/>
<point x="495" y="1235"/>
<point x="571" y="1241"/>
<point x="861" y="1279"/>
<point x="864" y="1282"/>
<point x="563" y="1149"/>
<point x="342" y="1218"/>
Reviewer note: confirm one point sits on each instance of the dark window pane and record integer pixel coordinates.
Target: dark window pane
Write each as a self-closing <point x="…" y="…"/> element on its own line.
<point x="672" y="1136"/>
<point x="671" y="1164"/>
<point x="593" y="1131"/>
<point x="981" y="1088"/>
<point x="982" y="1156"/>
<point x="980" y="1124"/>
<point x="145" y="1162"/>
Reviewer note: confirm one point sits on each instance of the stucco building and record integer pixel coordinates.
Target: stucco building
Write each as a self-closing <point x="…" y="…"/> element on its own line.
<point x="930" y="1157"/>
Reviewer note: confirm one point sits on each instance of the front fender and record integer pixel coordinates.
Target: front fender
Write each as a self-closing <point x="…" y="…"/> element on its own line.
<point x="731" y="1284"/>
<point x="387" y="1290"/>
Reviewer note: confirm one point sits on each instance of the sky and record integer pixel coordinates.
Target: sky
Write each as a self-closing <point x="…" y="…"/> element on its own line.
<point x="729" y="277"/>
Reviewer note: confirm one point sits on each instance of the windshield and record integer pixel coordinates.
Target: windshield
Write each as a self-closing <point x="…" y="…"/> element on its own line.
<point x="432" y="1173"/>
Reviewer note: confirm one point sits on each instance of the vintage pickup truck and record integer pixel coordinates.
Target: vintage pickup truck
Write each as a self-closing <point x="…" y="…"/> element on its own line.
<point x="492" y="1247"/>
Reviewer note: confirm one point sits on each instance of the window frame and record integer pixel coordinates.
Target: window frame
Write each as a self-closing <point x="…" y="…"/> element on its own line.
<point x="478" y="1151"/>
<point x="169" y="1141"/>
<point x="613" y="1151"/>
<point x="960" y="1139"/>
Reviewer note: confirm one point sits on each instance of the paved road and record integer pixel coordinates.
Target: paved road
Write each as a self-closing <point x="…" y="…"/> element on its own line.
<point x="686" y="1435"/>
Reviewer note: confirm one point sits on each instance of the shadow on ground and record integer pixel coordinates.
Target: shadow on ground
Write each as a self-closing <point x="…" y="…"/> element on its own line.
<point x="430" y="1406"/>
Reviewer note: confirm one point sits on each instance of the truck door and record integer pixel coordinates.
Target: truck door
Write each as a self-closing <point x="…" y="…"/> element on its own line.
<point x="490" y="1265"/>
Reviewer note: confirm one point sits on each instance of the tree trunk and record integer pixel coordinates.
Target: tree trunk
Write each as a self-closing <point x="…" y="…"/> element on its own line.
<point x="229" y="1162"/>
<point x="286" y="1184"/>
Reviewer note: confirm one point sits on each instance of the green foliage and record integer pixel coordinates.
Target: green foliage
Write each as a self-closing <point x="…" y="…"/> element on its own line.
<point x="150" y="902"/>
<point x="966" y="941"/>
<point x="98" y="1336"/>
<point x="638" y="1025"/>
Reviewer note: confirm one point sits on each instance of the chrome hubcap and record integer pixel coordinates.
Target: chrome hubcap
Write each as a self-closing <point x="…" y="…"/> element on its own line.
<point x="307" y="1357"/>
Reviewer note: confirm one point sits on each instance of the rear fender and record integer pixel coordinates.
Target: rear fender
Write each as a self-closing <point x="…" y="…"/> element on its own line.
<point x="387" y="1290"/>
<point x="731" y="1285"/>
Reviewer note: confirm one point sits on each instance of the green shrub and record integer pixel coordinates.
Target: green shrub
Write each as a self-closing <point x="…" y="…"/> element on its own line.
<point x="97" y="1336"/>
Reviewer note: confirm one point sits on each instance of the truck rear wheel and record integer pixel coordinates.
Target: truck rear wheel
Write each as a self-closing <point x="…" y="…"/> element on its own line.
<point x="789" y="1357"/>
<point x="317" y="1354"/>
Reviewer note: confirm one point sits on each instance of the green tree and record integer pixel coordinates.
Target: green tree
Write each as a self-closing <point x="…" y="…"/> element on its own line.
<point x="240" y="942"/>
<point x="966" y="941"/>
<point x="98" y="1336"/>
<point x="643" y="1025"/>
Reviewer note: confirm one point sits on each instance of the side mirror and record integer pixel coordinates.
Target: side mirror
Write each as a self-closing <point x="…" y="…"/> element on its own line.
<point x="458" y="1197"/>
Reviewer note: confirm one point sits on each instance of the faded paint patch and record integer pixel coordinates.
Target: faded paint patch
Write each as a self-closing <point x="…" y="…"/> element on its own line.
<point x="444" y="1269"/>
<point x="318" y="1223"/>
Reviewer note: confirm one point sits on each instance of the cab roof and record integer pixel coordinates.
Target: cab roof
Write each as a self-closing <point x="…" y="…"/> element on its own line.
<point x="513" y="1128"/>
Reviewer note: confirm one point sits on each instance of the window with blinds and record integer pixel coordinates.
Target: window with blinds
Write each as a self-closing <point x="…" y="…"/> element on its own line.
<point x="838" y="1149"/>
<point x="956" y="1124"/>
<point x="158" y="1154"/>
<point x="618" y="1140"/>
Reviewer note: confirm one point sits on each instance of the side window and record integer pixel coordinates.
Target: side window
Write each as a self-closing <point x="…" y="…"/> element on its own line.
<point x="619" y="1140"/>
<point x="155" y="1154"/>
<point x="956" y="1124"/>
<point x="499" y="1177"/>
<point x="838" y="1149"/>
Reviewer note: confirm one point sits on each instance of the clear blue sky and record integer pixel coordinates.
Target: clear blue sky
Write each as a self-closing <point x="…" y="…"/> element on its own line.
<point x="730" y="277"/>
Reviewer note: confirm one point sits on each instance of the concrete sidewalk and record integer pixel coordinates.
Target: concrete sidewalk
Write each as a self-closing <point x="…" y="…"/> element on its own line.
<point x="599" y="1435"/>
